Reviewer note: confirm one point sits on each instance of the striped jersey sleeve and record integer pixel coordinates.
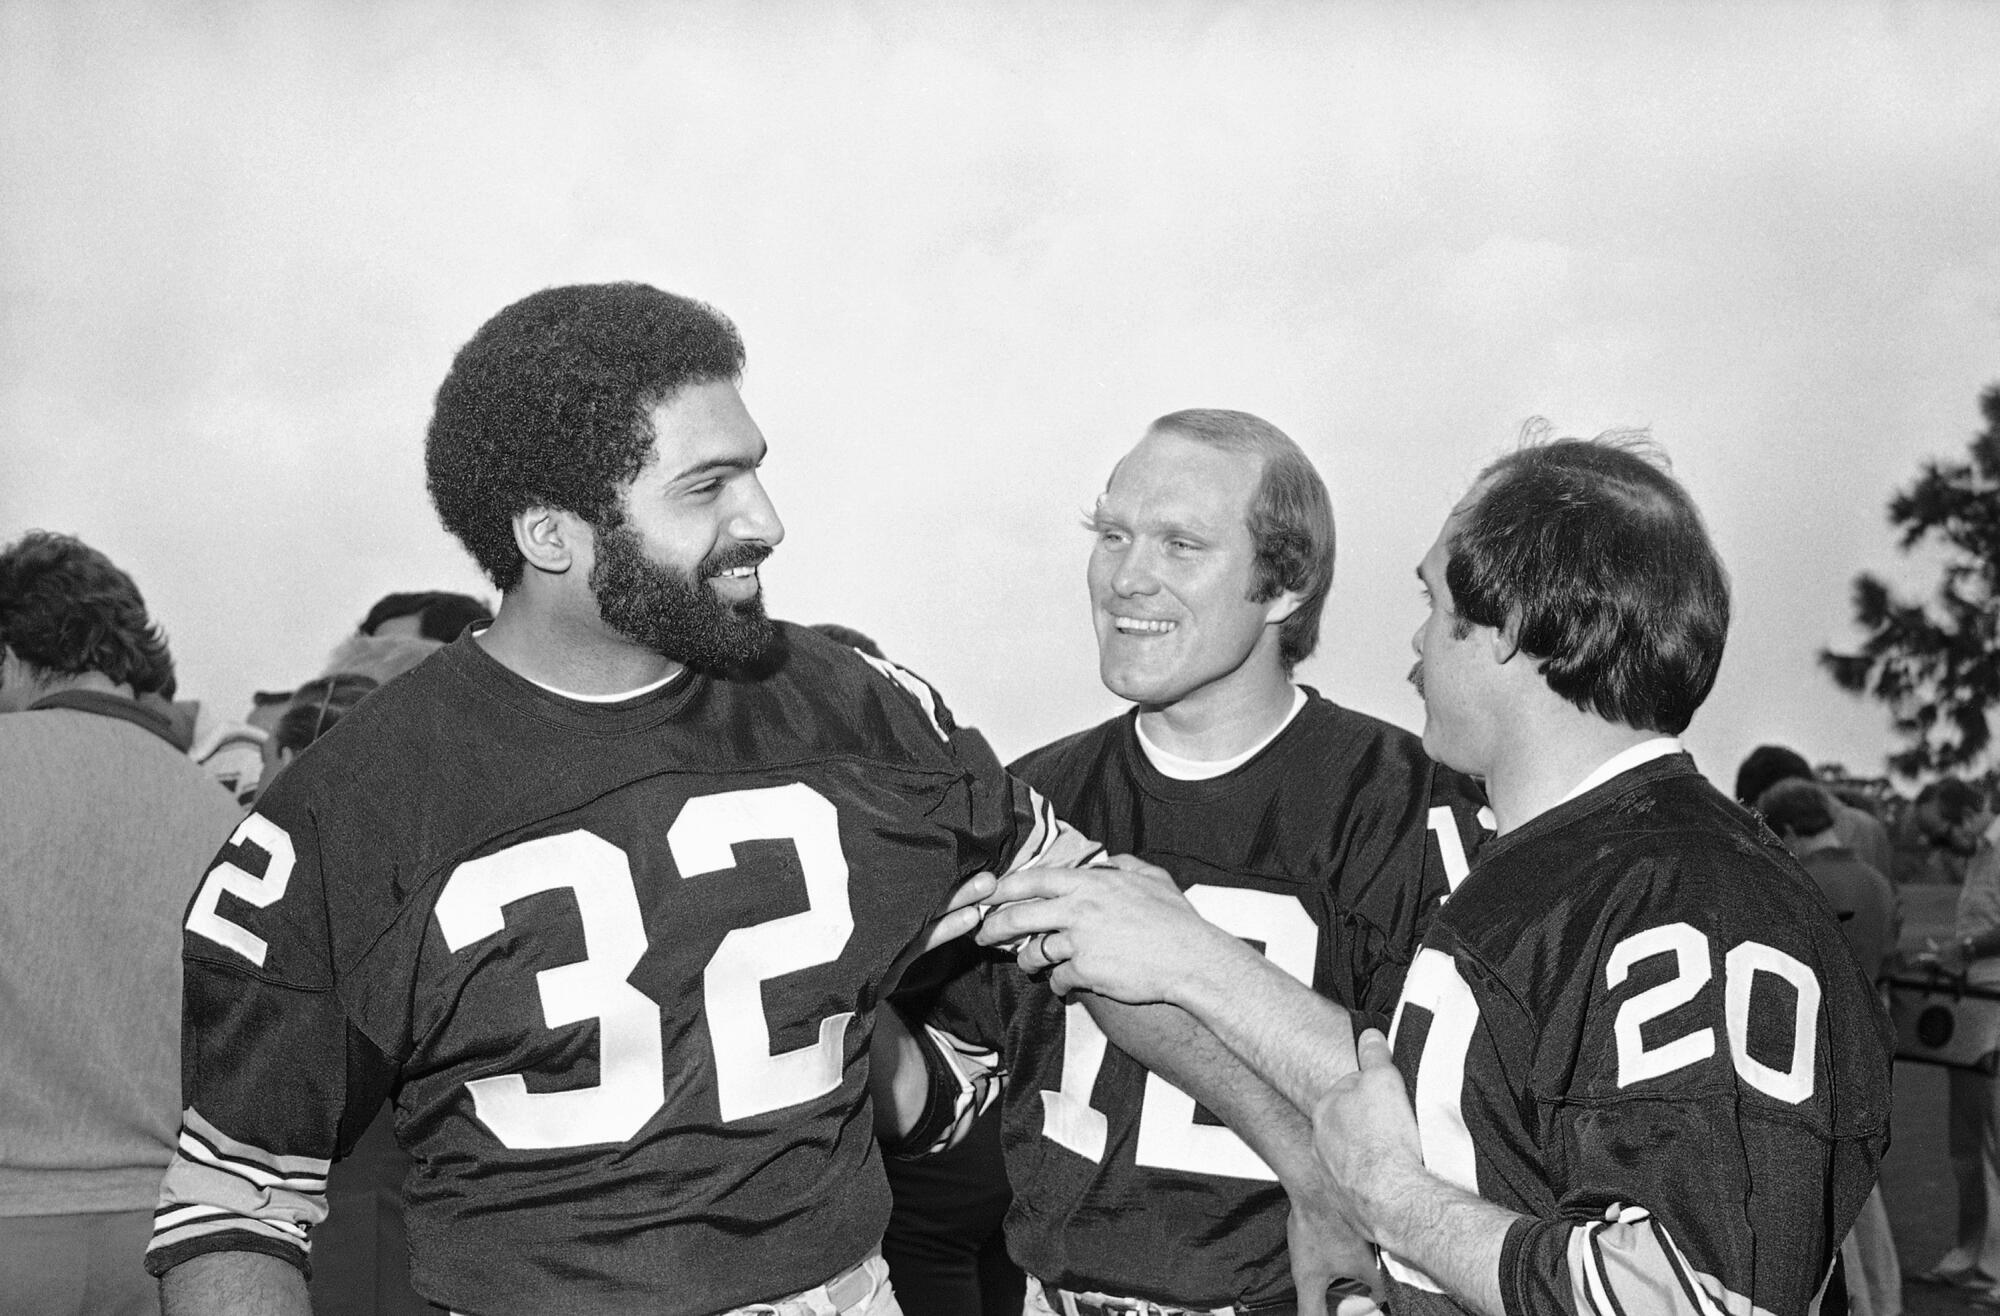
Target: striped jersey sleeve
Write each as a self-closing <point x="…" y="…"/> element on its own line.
<point x="1627" y="1264"/>
<point x="272" y="1069"/>
<point x="219" y="1190"/>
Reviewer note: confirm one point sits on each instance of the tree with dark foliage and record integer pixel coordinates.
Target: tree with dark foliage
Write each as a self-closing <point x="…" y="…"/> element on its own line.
<point x="1937" y="664"/>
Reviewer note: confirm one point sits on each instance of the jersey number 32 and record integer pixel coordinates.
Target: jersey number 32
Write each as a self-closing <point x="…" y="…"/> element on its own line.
<point x="750" y="1080"/>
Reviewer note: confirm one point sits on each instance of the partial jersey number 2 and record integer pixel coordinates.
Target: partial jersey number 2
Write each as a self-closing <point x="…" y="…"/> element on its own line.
<point x="631" y="1086"/>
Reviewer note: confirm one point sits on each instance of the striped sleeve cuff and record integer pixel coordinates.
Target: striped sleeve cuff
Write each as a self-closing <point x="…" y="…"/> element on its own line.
<point x="1625" y="1264"/>
<point x="221" y="1195"/>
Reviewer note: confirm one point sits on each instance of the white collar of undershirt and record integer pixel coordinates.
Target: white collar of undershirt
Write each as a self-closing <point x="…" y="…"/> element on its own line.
<point x="618" y="698"/>
<point x="1624" y="761"/>
<point x="1181" y="769"/>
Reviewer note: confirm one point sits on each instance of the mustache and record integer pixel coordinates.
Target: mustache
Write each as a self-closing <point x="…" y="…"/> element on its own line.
<point x="726" y="559"/>
<point x="1416" y="677"/>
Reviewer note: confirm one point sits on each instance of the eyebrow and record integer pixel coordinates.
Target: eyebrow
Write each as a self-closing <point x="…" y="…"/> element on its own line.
<point x="716" y="465"/>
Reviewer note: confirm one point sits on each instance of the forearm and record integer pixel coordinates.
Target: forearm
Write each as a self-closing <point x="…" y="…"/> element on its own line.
<point x="234" y="1284"/>
<point x="1173" y="1044"/>
<point x="1295" y="1040"/>
<point x="1450" y="1235"/>
<point x="1166" y="1039"/>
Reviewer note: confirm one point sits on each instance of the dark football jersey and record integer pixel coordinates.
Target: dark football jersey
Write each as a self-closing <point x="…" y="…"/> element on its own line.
<point x="615" y="964"/>
<point x="1329" y="850"/>
<point x="1637" y="1023"/>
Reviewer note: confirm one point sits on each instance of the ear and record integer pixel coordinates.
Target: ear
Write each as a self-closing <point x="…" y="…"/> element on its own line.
<point x="1505" y="644"/>
<point x="1280" y="609"/>
<point x="552" y="539"/>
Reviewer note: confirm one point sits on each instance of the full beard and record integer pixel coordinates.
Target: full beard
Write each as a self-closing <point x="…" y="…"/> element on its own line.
<point x="675" y="613"/>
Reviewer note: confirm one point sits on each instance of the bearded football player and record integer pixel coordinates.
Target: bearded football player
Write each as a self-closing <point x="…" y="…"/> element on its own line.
<point x="600" y="897"/>
<point x="1320" y="834"/>
<point x="1648" y="1075"/>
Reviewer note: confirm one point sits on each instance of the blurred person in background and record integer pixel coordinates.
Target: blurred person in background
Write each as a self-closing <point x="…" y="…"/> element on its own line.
<point x="402" y="630"/>
<point x="1802" y="815"/>
<point x="1957" y="819"/>
<point x="308" y="713"/>
<point x="1858" y="830"/>
<point x="425" y="614"/>
<point x="1864" y="900"/>
<point x="105" y="825"/>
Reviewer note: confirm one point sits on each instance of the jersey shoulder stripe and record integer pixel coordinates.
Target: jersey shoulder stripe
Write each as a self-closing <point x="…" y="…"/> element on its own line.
<point x="202" y="1141"/>
<point x="1051" y="841"/>
<point x="927" y="698"/>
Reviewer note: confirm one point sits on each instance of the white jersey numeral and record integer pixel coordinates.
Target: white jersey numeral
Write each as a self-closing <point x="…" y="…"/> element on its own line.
<point x="1169" y="1138"/>
<point x="262" y="892"/>
<point x="1691" y="973"/>
<point x="749" y="1079"/>
<point x="1794" y="1083"/>
<point x="1068" y="1118"/>
<point x="1433" y="985"/>
<point x="1451" y="848"/>
<point x="632" y="1072"/>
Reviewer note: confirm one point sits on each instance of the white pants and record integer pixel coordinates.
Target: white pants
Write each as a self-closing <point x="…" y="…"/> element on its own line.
<point x="1041" y="1302"/>
<point x="861" y="1291"/>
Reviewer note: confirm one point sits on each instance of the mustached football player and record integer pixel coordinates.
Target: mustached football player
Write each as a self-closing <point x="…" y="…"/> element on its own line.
<point x="1320" y="834"/>
<point x="601" y="896"/>
<point x="1648" y="1076"/>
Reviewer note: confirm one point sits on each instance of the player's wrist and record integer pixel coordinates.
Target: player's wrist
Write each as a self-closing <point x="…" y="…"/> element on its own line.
<point x="1408" y="1210"/>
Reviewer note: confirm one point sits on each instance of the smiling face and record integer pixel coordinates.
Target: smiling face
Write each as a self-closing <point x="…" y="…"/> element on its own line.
<point x="679" y="576"/>
<point x="1172" y="572"/>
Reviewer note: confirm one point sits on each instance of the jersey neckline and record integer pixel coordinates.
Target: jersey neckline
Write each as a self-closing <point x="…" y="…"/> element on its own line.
<point x="1147" y="776"/>
<point x="641" y="709"/>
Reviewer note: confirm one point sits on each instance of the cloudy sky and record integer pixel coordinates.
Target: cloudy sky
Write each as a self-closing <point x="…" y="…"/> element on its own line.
<point x="974" y="248"/>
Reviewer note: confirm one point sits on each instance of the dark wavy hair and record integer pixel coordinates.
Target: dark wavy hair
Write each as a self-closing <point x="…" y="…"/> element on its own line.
<point x="441" y="614"/>
<point x="1290" y="518"/>
<point x="1594" y="560"/>
<point x="1766" y="766"/>
<point x="1796" y="806"/>
<point x="550" y="405"/>
<point x="65" y="609"/>
<point x="317" y="705"/>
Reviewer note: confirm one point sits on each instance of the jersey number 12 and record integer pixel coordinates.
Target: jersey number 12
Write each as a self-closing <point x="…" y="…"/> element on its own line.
<point x="1169" y="1138"/>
